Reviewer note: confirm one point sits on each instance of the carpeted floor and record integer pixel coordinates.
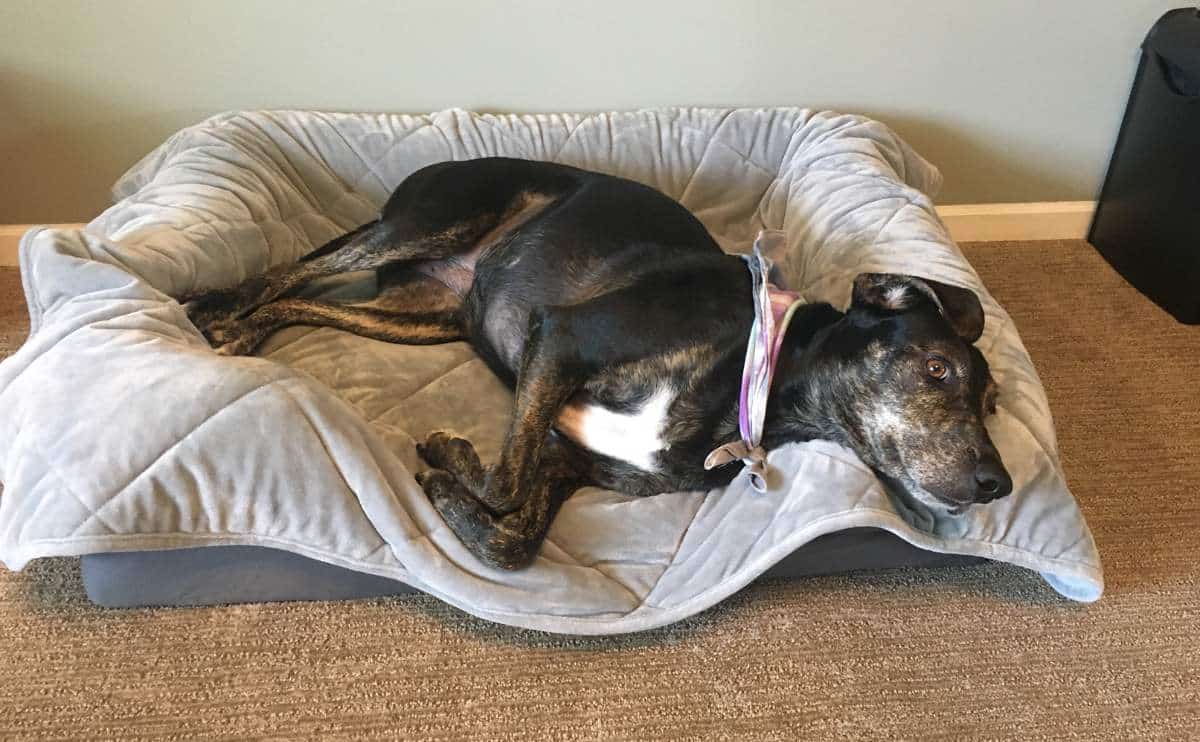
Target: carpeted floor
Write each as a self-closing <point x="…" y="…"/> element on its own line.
<point x="14" y="318"/>
<point x="983" y="652"/>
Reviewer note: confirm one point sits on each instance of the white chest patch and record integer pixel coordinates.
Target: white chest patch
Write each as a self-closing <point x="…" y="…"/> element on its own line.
<point x="631" y="437"/>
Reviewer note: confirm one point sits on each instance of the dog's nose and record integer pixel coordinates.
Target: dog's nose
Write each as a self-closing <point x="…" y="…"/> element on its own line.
<point x="992" y="479"/>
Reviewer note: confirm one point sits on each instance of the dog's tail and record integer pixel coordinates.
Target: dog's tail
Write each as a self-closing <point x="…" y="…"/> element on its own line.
<point x="370" y="234"/>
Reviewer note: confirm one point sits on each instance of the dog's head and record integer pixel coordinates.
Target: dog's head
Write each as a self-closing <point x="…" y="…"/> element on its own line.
<point x="898" y="380"/>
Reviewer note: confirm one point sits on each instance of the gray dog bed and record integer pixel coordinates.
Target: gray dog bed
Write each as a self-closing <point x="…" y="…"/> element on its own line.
<point x="254" y="574"/>
<point x="121" y="430"/>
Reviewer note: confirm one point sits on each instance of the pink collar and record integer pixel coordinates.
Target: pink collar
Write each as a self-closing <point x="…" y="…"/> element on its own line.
<point x="773" y="310"/>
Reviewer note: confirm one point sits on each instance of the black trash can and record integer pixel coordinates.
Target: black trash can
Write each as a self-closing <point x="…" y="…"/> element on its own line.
<point x="1147" y="222"/>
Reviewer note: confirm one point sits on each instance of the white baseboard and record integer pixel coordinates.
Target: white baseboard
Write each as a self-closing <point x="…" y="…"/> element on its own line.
<point x="10" y="239"/>
<point x="1046" y="220"/>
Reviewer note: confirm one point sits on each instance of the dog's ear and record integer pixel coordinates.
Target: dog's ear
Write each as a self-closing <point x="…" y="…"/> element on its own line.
<point x="895" y="292"/>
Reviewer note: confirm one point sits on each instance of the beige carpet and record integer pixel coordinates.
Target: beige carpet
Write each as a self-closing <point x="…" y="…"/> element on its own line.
<point x="985" y="652"/>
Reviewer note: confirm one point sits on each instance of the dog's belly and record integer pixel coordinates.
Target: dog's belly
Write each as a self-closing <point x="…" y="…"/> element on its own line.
<point x="633" y="437"/>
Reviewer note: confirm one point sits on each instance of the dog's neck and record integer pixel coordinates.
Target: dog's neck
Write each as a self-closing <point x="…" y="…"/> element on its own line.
<point x="793" y="411"/>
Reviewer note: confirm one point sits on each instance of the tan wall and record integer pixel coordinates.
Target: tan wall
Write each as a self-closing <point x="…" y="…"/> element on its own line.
<point x="1016" y="100"/>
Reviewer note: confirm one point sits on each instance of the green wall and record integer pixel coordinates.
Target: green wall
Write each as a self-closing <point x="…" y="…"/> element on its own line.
<point x="1015" y="100"/>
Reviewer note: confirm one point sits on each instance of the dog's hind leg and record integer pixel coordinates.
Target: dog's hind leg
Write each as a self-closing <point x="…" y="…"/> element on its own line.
<point x="438" y="212"/>
<point x="411" y="308"/>
<point x="370" y="247"/>
<point x="242" y="336"/>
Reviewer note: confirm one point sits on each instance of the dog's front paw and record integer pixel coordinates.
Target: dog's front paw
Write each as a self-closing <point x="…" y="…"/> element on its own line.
<point x="457" y="456"/>
<point x="435" y="451"/>
<point x="440" y="486"/>
<point x="444" y="451"/>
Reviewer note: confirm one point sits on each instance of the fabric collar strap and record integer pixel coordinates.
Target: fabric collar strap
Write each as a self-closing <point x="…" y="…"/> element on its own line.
<point x="773" y="310"/>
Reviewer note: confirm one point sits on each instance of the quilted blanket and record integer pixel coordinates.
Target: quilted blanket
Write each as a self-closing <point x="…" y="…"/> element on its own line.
<point x="121" y="430"/>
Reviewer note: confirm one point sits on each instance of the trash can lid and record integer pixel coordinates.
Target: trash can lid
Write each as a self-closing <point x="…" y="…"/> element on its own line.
<point x="1176" y="37"/>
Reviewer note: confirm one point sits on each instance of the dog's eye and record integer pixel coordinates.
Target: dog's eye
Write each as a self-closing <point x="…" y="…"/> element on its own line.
<point x="937" y="368"/>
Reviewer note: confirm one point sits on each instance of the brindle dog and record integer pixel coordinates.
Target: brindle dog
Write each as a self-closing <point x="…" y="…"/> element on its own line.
<point x="622" y="327"/>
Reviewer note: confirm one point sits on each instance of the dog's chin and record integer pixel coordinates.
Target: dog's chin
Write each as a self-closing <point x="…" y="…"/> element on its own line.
<point x="907" y="489"/>
<point x="937" y="502"/>
<point x="948" y="504"/>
